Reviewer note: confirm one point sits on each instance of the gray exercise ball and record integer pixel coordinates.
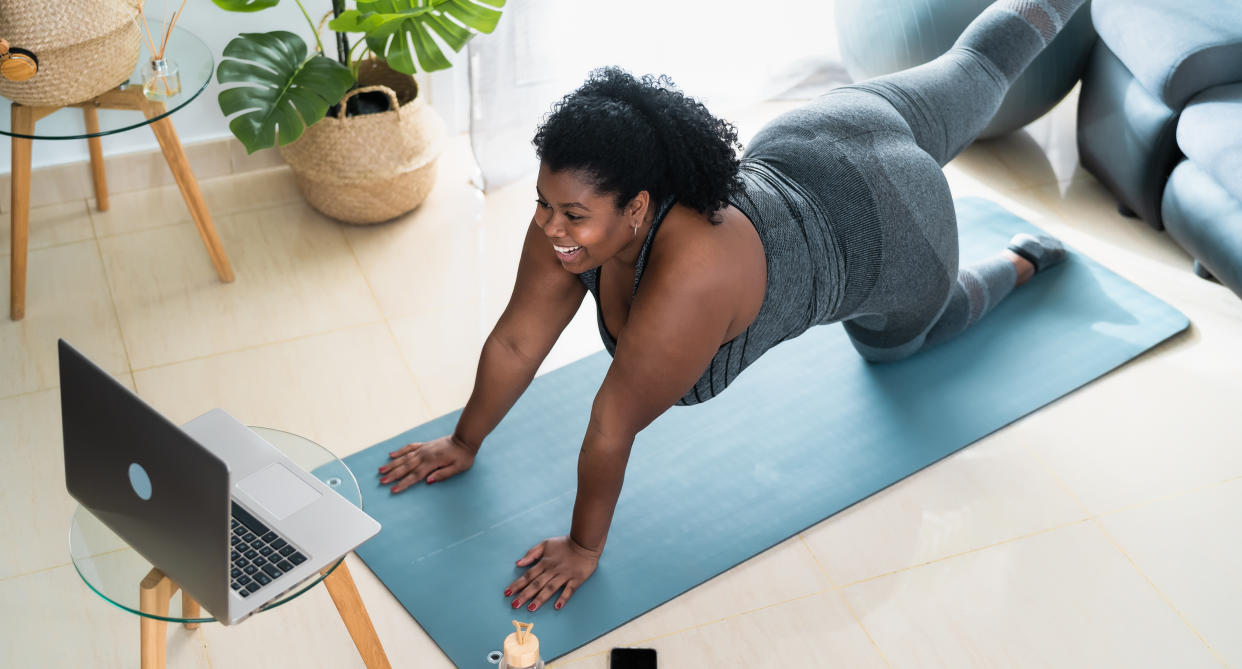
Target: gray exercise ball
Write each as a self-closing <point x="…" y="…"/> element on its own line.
<point x="882" y="36"/>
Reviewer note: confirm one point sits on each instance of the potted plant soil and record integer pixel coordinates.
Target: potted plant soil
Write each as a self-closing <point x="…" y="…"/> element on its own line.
<point x="361" y="141"/>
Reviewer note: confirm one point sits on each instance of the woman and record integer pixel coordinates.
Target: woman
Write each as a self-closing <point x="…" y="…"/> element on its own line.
<point x="838" y="211"/>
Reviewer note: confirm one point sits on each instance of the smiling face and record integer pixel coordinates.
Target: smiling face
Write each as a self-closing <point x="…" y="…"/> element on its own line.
<point x="585" y="226"/>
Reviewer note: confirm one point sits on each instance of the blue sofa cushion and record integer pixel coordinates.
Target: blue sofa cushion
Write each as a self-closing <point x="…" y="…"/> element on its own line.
<point x="1210" y="133"/>
<point x="1206" y="221"/>
<point x="1175" y="48"/>
<point x="1126" y="137"/>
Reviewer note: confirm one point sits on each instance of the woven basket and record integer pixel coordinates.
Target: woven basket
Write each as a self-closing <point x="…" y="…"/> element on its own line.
<point x="374" y="167"/>
<point x="84" y="47"/>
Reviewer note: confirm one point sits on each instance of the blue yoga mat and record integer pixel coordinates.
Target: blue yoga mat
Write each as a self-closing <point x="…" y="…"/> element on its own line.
<point x="803" y="433"/>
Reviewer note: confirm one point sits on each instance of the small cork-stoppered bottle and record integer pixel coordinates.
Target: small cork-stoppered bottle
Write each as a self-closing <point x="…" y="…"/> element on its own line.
<point x="521" y="649"/>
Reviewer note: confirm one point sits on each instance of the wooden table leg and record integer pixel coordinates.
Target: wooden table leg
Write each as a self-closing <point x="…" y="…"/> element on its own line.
<point x="153" y="595"/>
<point x="180" y="166"/>
<point x="190" y="609"/>
<point x="97" y="161"/>
<point x="23" y="120"/>
<point x="354" y="613"/>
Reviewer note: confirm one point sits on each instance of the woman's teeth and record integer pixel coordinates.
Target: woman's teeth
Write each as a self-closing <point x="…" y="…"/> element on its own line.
<point x="566" y="249"/>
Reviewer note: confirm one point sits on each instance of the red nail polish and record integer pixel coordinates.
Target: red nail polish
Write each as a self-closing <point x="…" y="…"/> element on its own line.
<point x="430" y="481"/>
<point x="558" y="606"/>
<point x="508" y="592"/>
<point x="531" y="607"/>
<point x="384" y="480"/>
<point x="516" y="603"/>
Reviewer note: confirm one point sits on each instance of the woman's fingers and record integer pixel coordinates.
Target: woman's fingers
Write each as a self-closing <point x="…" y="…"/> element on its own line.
<point x="404" y="483"/>
<point x="565" y="595"/>
<point x="400" y="467"/>
<point x="547" y="591"/>
<point x="405" y="449"/>
<point x="536" y="585"/>
<point x="423" y="470"/>
<point x="531" y="555"/>
<point x="398" y="459"/>
<point x="429" y="461"/>
<point x="518" y="587"/>
<point x="520" y="582"/>
<point x="558" y="567"/>
<point x="413" y="468"/>
<point x="443" y="472"/>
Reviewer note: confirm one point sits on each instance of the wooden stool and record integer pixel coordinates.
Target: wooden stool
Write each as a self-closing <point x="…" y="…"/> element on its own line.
<point x="156" y="590"/>
<point x="131" y="97"/>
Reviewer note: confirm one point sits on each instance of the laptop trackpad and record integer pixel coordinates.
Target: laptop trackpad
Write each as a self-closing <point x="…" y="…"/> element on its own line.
<point x="278" y="490"/>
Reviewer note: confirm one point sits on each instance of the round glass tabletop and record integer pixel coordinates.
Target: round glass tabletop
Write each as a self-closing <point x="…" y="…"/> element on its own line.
<point x="194" y="63"/>
<point x="114" y="570"/>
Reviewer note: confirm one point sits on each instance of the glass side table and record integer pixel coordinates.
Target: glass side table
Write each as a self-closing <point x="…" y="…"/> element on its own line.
<point x="125" y="579"/>
<point x="196" y="66"/>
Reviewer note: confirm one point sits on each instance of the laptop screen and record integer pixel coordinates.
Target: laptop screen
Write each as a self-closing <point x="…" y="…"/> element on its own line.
<point x="146" y="479"/>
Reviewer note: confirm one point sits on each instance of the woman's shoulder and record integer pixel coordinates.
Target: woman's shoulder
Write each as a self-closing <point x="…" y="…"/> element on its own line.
<point x="686" y="231"/>
<point x="686" y="235"/>
<point x="688" y="242"/>
<point x="709" y="268"/>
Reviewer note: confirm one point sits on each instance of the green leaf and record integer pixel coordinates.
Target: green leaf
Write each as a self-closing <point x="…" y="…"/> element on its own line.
<point x="401" y="30"/>
<point x="281" y="92"/>
<point x="245" y="5"/>
<point x="430" y="58"/>
<point x="453" y="34"/>
<point x="354" y="21"/>
<point x="475" y="17"/>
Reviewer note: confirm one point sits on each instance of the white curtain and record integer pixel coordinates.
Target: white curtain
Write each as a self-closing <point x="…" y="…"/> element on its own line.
<point x="726" y="53"/>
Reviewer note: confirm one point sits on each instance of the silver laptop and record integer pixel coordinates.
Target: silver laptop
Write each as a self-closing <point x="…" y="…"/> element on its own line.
<point x="225" y="514"/>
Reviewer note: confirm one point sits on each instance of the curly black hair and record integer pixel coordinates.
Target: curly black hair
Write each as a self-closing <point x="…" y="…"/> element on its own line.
<point x="632" y="134"/>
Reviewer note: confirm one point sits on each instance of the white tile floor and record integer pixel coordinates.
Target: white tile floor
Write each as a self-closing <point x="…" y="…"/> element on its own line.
<point x="1099" y="532"/>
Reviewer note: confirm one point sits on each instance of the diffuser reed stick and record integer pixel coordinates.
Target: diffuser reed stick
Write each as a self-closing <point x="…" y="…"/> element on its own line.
<point x="160" y="79"/>
<point x="158" y="53"/>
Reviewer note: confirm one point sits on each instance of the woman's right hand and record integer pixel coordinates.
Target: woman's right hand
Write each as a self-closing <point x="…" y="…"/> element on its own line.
<point x="433" y="461"/>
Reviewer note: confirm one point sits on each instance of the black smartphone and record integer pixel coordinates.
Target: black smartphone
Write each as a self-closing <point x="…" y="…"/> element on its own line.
<point x="632" y="658"/>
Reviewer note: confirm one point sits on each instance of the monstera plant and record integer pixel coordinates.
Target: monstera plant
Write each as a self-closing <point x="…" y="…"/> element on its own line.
<point x="275" y="89"/>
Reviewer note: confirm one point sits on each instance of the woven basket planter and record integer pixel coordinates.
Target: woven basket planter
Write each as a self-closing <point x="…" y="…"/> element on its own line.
<point x="373" y="167"/>
<point x="85" y="48"/>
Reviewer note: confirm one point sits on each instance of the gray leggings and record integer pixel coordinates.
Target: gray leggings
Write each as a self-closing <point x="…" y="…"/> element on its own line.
<point x="907" y="125"/>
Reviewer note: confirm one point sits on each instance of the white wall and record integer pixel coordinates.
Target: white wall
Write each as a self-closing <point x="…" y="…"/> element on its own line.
<point x="201" y="120"/>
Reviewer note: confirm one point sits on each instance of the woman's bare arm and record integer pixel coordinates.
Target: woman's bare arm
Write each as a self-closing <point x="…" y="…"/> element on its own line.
<point x="675" y="326"/>
<point x="545" y="298"/>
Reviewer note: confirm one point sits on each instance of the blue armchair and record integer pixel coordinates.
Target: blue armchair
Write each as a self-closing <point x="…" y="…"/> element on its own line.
<point x="1160" y="122"/>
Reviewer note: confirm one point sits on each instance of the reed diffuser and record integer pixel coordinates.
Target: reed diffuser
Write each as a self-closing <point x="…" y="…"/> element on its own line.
<point x="160" y="76"/>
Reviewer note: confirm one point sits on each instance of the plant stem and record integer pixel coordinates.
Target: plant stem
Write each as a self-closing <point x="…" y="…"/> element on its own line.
<point x="313" y="27"/>
<point x="342" y="40"/>
<point x="351" y="52"/>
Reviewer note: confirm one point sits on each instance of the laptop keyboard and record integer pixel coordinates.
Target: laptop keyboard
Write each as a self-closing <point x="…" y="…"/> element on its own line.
<point x="258" y="555"/>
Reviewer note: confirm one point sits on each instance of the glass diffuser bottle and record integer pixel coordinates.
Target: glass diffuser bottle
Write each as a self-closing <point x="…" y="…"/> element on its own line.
<point x="160" y="79"/>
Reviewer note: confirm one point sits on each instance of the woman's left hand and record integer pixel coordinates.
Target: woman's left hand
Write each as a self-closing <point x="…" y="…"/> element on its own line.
<point x="562" y="563"/>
